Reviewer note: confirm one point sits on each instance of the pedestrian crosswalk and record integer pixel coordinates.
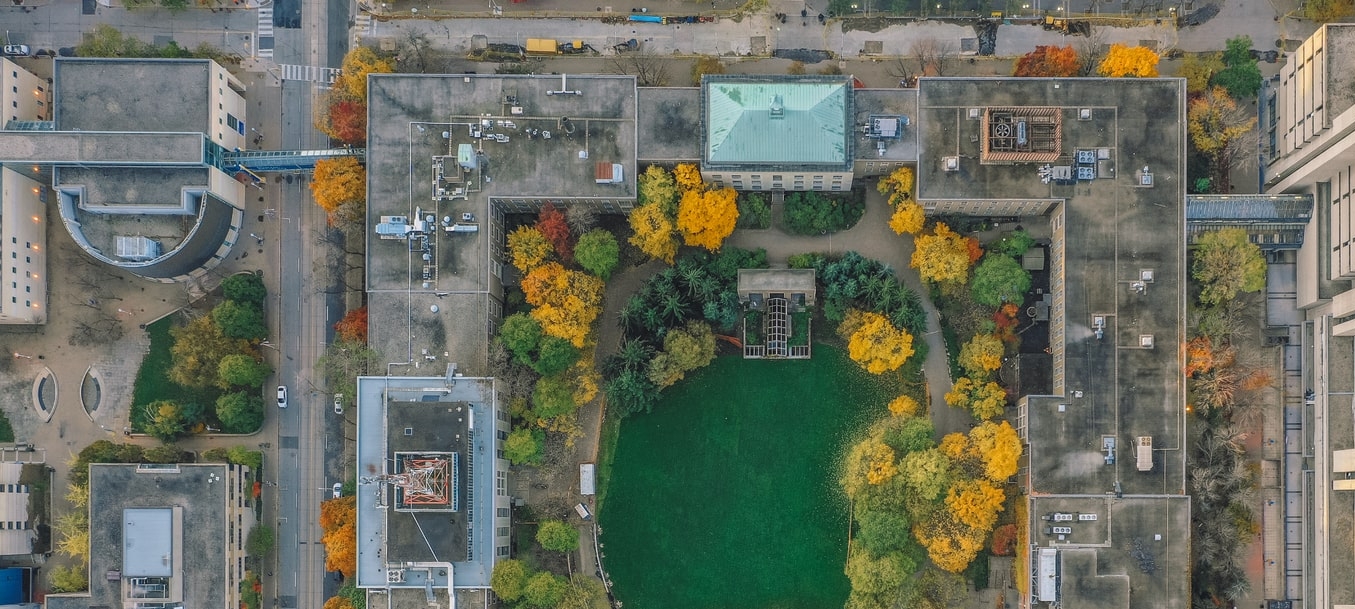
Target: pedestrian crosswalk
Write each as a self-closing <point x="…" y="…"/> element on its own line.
<point x="322" y="76"/>
<point x="264" y="48"/>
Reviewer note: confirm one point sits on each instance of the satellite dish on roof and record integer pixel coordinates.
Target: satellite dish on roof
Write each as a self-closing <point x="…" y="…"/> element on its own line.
<point x="433" y="308"/>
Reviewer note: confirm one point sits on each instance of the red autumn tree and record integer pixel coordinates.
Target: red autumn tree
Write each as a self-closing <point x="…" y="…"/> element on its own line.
<point x="348" y="122"/>
<point x="353" y="326"/>
<point x="1048" y="61"/>
<point x="552" y="224"/>
<point x="1004" y="540"/>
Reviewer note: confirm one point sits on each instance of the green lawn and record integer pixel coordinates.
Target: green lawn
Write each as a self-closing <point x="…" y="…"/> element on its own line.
<point x="152" y="384"/>
<point x="726" y="496"/>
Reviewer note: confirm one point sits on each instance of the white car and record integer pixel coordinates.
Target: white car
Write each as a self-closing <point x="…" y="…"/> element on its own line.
<point x="282" y="396"/>
<point x="338" y="490"/>
<point x="338" y="403"/>
<point x="17" y="50"/>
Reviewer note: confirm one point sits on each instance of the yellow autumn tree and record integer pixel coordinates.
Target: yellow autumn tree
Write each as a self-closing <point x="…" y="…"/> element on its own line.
<point x="870" y="462"/>
<point x="705" y="218"/>
<point x="955" y="446"/>
<point x="565" y="302"/>
<point x="653" y="232"/>
<point x="1124" y="61"/>
<point x="984" y="399"/>
<point x="942" y="256"/>
<point x="898" y="186"/>
<point x="975" y="503"/>
<point x="339" y="186"/>
<point x="688" y="177"/>
<point x="908" y="218"/>
<point x="981" y="355"/>
<point x="950" y="544"/>
<point x="903" y="406"/>
<point x="999" y="447"/>
<point x="877" y="345"/>
<point x="357" y="64"/>
<point x="528" y="248"/>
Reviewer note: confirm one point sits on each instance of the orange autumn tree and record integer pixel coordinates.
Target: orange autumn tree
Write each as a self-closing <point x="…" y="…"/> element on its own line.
<point x="942" y="257"/>
<point x="1199" y="356"/>
<point x="338" y="531"/>
<point x="339" y="186"/>
<point x="1048" y="61"/>
<point x="353" y="326"/>
<point x="565" y="302"/>
<point x="338" y="602"/>
<point x="1129" y="62"/>
<point x="706" y="218"/>
<point x="345" y="120"/>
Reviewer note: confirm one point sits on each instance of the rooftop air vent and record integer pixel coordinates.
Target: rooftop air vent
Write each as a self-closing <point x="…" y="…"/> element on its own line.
<point x="778" y="107"/>
<point x="409" y="431"/>
<point x="1146" y="341"/>
<point x="951" y="163"/>
<point x="973" y="114"/>
<point x="1084" y="114"/>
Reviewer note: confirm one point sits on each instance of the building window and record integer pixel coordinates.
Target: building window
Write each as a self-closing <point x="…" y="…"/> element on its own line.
<point x="502" y="512"/>
<point x="503" y="531"/>
<point x="502" y="551"/>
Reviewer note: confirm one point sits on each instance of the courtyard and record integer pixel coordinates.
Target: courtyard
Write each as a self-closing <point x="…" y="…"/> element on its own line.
<point x="726" y="494"/>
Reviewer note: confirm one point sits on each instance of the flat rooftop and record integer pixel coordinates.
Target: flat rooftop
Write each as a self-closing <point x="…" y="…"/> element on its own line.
<point x="1118" y="253"/>
<point x="1128" y="552"/>
<point x="131" y="94"/>
<point x="123" y="188"/>
<point x="886" y="102"/>
<point x="672" y="119"/>
<point x="115" y="487"/>
<point x="403" y="327"/>
<point x="536" y="145"/>
<point x="103" y="148"/>
<point x="422" y="415"/>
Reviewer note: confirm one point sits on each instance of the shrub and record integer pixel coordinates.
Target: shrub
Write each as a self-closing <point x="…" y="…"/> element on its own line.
<point x="812" y="213"/>
<point x="754" y="211"/>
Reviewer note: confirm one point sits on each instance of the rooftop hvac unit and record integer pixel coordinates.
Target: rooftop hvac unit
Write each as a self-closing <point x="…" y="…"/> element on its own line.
<point x="951" y="163"/>
<point x="137" y="249"/>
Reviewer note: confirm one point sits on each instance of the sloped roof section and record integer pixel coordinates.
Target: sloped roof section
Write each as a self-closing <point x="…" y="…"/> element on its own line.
<point x="777" y="121"/>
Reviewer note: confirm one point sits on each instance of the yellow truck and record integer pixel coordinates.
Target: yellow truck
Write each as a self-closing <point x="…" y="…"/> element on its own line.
<point x="542" y="46"/>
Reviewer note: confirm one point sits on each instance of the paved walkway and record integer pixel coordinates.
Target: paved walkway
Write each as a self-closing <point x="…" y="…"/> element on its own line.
<point x="872" y="238"/>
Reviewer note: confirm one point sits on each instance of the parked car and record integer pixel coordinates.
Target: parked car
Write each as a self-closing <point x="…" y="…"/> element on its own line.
<point x="282" y="396"/>
<point x="16" y="50"/>
<point x="338" y="490"/>
<point x="66" y="51"/>
<point x="338" y="403"/>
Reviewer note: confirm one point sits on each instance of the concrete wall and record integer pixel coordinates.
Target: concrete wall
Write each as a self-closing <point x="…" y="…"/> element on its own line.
<point x="830" y="181"/>
<point x="227" y="110"/>
<point x="23" y="96"/>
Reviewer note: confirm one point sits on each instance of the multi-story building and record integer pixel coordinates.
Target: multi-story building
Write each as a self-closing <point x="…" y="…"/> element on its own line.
<point x="165" y="536"/>
<point x="432" y="501"/>
<point x="1308" y="122"/>
<point x="24" y="98"/>
<point x="136" y="152"/>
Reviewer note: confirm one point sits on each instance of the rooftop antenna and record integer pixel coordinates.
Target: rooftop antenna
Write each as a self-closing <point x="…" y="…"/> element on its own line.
<point x="564" y="87"/>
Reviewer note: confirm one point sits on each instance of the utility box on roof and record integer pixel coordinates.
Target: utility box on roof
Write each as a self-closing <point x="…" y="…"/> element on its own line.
<point x="609" y="173"/>
<point x="1145" y="453"/>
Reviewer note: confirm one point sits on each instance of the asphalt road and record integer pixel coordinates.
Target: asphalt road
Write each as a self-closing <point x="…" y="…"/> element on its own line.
<point x="61" y="23"/>
<point x="309" y="450"/>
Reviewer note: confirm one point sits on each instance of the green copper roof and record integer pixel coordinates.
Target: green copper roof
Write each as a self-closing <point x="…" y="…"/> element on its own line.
<point x="782" y="123"/>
